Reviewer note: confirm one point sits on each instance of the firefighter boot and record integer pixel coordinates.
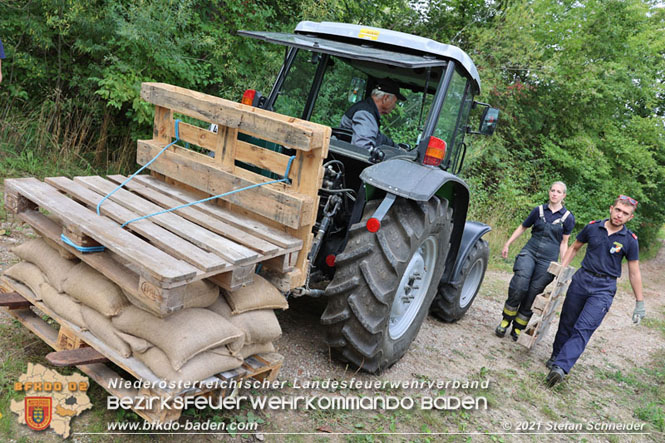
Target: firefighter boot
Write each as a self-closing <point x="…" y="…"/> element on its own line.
<point x="500" y="330"/>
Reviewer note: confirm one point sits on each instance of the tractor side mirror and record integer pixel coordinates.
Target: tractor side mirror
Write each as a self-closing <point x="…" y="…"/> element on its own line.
<point x="488" y="122"/>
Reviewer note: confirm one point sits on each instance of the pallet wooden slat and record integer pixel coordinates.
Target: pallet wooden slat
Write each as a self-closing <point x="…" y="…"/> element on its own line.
<point x="545" y="305"/>
<point x="75" y="357"/>
<point x="192" y="214"/>
<point x="166" y="240"/>
<point x="250" y="225"/>
<point x="13" y="300"/>
<point x="232" y="252"/>
<point x="160" y="265"/>
<point x="223" y="112"/>
<point x="178" y="164"/>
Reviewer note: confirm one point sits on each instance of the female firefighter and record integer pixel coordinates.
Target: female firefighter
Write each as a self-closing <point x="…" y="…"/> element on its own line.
<point x="552" y="224"/>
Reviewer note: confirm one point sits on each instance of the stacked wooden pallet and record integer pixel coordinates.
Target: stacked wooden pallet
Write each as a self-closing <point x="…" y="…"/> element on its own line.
<point x="154" y="259"/>
<point x="159" y="261"/>
<point x="545" y="305"/>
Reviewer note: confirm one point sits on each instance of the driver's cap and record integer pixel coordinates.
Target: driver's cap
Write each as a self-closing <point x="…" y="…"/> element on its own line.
<point x="390" y="86"/>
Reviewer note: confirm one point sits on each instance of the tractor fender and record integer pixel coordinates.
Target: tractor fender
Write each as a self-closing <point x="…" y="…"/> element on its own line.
<point x="473" y="231"/>
<point x="408" y="179"/>
<point x="411" y="180"/>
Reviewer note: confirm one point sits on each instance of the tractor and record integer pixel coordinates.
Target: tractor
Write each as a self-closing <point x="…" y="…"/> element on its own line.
<point x="392" y="242"/>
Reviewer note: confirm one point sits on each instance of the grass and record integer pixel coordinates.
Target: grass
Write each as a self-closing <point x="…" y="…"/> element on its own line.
<point x="57" y="139"/>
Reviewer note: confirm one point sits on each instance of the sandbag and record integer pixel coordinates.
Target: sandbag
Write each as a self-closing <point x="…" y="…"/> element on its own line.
<point x="257" y="348"/>
<point x="137" y="344"/>
<point x="47" y="259"/>
<point x="259" y="294"/>
<point x="100" y="326"/>
<point x="91" y="288"/>
<point x="182" y="335"/>
<point x="28" y="274"/>
<point x="259" y="326"/>
<point x="201" y="294"/>
<point x="62" y="304"/>
<point x="198" y="368"/>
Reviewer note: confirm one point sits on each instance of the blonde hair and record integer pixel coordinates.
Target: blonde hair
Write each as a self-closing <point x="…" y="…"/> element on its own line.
<point x="562" y="184"/>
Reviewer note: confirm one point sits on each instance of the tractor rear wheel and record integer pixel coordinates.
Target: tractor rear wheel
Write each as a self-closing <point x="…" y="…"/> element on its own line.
<point x="385" y="282"/>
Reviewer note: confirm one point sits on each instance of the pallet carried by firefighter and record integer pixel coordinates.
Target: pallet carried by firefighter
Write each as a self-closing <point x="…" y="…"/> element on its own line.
<point x="75" y="346"/>
<point x="545" y="305"/>
<point x="266" y="221"/>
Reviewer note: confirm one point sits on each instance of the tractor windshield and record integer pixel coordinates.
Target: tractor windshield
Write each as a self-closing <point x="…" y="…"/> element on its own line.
<point x="345" y="81"/>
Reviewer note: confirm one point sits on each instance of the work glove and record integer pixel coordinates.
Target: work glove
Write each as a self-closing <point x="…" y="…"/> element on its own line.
<point x="639" y="312"/>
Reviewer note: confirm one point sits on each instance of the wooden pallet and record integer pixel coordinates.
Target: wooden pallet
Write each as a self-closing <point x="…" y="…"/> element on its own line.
<point x="545" y="305"/>
<point x="154" y="259"/>
<point x="72" y="344"/>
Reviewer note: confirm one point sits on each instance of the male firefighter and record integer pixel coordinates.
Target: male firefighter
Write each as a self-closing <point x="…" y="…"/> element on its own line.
<point x="593" y="286"/>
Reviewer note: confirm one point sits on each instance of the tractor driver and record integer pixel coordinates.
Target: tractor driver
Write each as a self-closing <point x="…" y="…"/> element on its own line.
<point x="364" y="118"/>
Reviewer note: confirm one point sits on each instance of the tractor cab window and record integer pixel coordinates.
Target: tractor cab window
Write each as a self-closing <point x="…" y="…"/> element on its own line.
<point x="293" y="93"/>
<point x="344" y="83"/>
<point x="450" y="112"/>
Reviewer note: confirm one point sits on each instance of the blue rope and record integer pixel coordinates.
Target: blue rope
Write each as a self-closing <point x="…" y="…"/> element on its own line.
<point x="285" y="179"/>
<point x="177" y="139"/>
<point x="64" y="238"/>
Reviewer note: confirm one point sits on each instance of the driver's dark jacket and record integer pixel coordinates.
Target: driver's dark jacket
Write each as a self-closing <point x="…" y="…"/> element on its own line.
<point x="364" y="120"/>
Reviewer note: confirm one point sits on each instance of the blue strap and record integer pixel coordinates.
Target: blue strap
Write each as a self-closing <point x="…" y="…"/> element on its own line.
<point x="64" y="238"/>
<point x="285" y="179"/>
<point x="177" y="139"/>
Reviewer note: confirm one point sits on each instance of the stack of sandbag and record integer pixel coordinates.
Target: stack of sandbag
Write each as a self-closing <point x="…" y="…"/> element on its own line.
<point x="44" y="272"/>
<point x="189" y="345"/>
<point x="211" y="334"/>
<point x="250" y="309"/>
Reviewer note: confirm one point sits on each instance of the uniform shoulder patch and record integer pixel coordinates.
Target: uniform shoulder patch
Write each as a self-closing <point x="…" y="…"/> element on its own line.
<point x="593" y="221"/>
<point x="634" y="236"/>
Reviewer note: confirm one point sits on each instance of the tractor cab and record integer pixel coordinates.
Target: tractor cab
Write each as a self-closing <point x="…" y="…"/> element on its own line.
<point x="329" y="67"/>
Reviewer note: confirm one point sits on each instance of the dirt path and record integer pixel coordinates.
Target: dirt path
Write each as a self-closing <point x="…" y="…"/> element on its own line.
<point x="595" y="391"/>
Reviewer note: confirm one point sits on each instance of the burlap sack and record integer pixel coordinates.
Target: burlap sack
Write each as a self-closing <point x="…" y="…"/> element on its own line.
<point x="47" y="259"/>
<point x="201" y="294"/>
<point x="100" y="326"/>
<point x="259" y="294"/>
<point x="182" y="335"/>
<point x="259" y="326"/>
<point x="62" y="304"/>
<point x="62" y="251"/>
<point x="198" y="368"/>
<point x="257" y="348"/>
<point x="137" y="344"/>
<point x="91" y="288"/>
<point x="28" y="274"/>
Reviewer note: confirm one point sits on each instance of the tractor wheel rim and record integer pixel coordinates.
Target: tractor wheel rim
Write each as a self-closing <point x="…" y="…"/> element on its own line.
<point x="471" y="283"/>
<point x="412" y="289"/>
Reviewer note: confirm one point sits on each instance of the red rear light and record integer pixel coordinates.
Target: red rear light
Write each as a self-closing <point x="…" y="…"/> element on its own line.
<point x="373" y="224"/>
<point x="248" y="97"/>
<point x="330" y="260"/>
<point x="436" y="150"/>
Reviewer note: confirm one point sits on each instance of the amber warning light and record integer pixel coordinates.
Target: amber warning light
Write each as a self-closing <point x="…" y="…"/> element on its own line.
<point x="436" y="150"/>
<point x="248" y="97"/>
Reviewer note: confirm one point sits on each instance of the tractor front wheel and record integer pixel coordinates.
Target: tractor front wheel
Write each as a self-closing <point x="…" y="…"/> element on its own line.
<point x="452" y="301"/>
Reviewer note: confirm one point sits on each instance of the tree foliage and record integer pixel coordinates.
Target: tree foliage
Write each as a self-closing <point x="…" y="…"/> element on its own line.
<point x="579" y="82"/>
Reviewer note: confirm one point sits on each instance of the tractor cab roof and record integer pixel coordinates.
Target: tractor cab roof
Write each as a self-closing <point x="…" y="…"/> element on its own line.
<point x="407" y="55"/>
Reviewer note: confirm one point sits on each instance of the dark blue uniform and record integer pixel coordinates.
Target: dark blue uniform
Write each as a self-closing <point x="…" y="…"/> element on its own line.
<point x="531" y="276"/>
<point x="592" y="289"/>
